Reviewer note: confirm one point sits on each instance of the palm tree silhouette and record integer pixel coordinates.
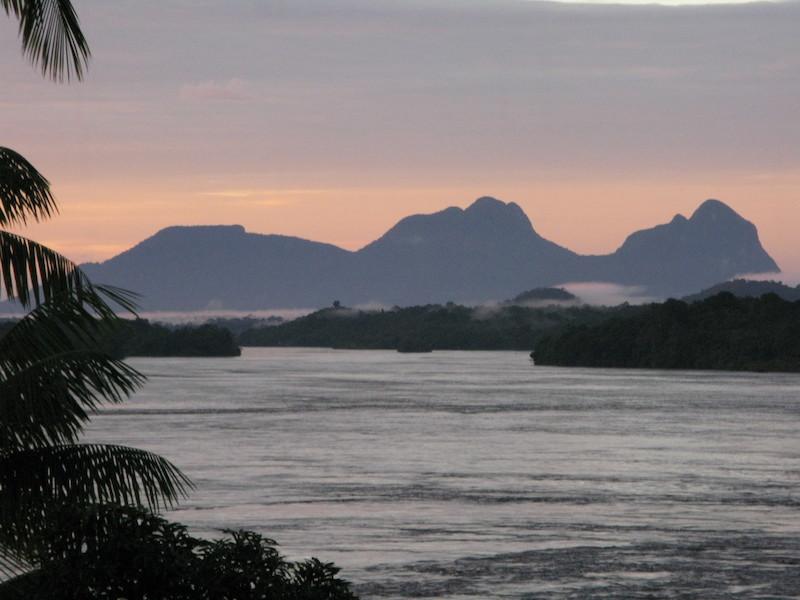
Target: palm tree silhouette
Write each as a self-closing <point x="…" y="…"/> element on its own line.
<point x="52" y="375"/>
<point x="51" y="36"/>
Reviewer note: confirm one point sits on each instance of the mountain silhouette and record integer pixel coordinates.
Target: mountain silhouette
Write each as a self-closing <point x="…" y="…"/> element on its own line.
<point x="488" y="251"/>
<point x="681" y="256"/>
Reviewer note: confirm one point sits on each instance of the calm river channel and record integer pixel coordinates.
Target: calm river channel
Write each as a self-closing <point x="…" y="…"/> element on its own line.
<point x="477" y="475"/>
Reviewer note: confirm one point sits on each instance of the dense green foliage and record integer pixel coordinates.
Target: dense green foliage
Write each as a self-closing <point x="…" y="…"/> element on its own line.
<point x="435" y="327"/>
<point x="722" y="332"/>
<point x="142" y="338"/>
<point x="112" y="552"/>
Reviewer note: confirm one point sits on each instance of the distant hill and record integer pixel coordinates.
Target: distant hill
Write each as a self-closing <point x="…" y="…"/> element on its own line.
<point x="543" y="296"/>
<point x="214" y="267"/>
<point x="721" y="332"/>
<point x="747" y="288"/>
<point x="488" y="251"/>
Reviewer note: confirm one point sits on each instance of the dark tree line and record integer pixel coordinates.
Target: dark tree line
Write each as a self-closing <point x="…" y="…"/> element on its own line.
<point x="112" y="552"/>
<point x="721" y="332"/>
<point x="143" y="338"/>
<point x="434" y="327"/>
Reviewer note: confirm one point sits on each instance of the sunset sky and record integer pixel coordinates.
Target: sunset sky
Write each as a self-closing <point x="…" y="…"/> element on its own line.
<point x="331" y="120"/>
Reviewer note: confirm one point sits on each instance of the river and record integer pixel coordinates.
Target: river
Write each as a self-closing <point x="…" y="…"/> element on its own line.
<point x="477" y="475"/>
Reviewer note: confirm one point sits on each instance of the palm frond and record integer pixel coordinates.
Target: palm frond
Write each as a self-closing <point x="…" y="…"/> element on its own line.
<point x="21" y="586"/>
<point x="51" y="36"/>
<point x="33" y="481"/>
<point x="33" y="273"/>
<point x="24" y="192"/>
<point x="77" y="541"/>
<point x="61" y="326"/>
<point x="48" y="402"/>
<point x="12" y="565"/>
<point x="89" y="473"/>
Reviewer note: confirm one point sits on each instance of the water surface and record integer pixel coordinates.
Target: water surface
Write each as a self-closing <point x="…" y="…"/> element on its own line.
<point x="474" y="474"/>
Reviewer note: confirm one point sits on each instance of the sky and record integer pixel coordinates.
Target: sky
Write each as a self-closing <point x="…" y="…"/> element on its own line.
<point x="333" y="120"/>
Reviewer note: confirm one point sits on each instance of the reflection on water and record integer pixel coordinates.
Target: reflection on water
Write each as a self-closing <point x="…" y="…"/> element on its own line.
<point x="474" y="475"/>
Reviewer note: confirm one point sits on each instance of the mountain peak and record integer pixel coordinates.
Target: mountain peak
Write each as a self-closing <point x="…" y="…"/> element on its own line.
<point x="678" y="220"/>
<point x="715" y="240"/>
<point x="486" y="220"/>
<point x="487" y="209"/>
<point x="486" y="203"/>
<point x="714" y="210"/>
<point x="201" y="230"/>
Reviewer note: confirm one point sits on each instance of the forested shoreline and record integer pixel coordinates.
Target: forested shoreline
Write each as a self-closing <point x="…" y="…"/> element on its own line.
<point x="433" y="327"/>
<point x="722" y="332"/>
<point x="142" y="338"/>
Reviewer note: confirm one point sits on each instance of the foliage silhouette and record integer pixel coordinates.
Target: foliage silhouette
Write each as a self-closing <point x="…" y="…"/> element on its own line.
<point x="430" y="327"/>
<point x="142" y="338"/>
<point x="51" y="36"/>
<point x="52" y="375"/>
<point x="112" y="552"/>
<point x="721" y="332"/>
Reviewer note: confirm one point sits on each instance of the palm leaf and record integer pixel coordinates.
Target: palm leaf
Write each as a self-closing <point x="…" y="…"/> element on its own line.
<point x="51" y="36"/>
<point x="30" y="272"/>
<point x="88" y="473"/>
<point x="24" y="192"/>
<point x="33" y="273"/>
<point x="63" y="325"/>
<point x="11" y="565"/>
<point x="34" y="481"/>
<point x="19" y="585"/>
<point x="47" y="402"/>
